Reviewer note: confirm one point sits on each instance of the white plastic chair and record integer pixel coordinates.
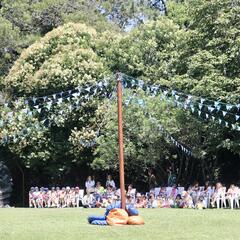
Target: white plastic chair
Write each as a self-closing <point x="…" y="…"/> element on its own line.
<point x="221" y="197"/>
<point x="80" y="196"/>
<point x="234" y="199"/>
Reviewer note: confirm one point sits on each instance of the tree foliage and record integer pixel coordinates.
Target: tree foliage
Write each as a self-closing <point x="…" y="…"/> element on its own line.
<point x="192" y="46"/>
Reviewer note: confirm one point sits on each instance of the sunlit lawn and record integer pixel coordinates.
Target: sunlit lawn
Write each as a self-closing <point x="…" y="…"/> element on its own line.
<point x="71" y="224"/>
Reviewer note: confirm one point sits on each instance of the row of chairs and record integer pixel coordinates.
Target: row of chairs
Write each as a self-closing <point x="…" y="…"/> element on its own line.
<point x="221" y="197"/>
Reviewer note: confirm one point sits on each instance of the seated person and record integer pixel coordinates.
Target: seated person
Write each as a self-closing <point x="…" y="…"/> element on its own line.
<point x="187" y="201"/>
<point x="88" y="201"/>
<point x="218" y="191"/>
<point x="152" y="202"/>
<point x="200" y="203"/>
<point x="110" y="182"/>
<point x="130" y="200"/>
<point x="139" y="201"/>
<point x="131" y="191"/>
<point x="178" y="203"/>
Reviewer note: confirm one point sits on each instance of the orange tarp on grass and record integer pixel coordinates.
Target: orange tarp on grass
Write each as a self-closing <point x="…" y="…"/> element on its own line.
<point x="135" y="220"/>
<point x="117" y="217"/>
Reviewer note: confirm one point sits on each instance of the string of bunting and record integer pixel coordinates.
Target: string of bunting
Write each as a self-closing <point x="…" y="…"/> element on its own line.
<point x="219" y="105"/>
<point x="44" y="104"/>
<point x="101" y="89"/>
<point x="202" y="114"/>
<point x="40" y="126"/>
<point x="101" y="85"/>
<point x="189" y="102"/>
<point x="141" y="103"/>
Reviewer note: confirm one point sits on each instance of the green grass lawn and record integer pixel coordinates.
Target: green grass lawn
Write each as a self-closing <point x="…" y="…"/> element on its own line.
<point x="71" y="224"/>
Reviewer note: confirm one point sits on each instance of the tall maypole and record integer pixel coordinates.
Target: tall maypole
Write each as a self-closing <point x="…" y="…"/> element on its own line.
<point x="120" y="141"/>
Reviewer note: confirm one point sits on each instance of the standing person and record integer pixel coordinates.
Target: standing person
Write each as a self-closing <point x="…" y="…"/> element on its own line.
<point x="152" y="181"/>
<point x="110" y="182"/>
<point x="171" y="177"/>
<point x="90" y="184"/>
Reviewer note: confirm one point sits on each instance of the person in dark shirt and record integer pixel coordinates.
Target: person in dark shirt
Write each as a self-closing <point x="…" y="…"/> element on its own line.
<point x="152" y="180"/>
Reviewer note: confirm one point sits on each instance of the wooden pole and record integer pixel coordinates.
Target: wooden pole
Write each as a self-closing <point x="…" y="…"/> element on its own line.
<point x="120" y="141"/>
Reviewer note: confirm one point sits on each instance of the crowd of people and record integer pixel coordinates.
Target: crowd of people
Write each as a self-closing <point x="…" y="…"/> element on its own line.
<point x="100" y="196"/>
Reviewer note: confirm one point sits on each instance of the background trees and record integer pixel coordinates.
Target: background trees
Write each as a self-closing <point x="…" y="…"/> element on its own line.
<point x="191" y="46"/>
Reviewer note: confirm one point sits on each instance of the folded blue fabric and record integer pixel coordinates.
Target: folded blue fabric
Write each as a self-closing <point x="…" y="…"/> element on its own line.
<point x="93" y="218"/>
<point x="99" y="222"/>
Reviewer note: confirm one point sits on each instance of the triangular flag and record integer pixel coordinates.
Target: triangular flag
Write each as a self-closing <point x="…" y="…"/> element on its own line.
<point x="177" y="97"/>
<point x="94" y="91"/>
<point x="229" y="107"/>
<point x="216" y="103"/>
<point x="224" y="113"/>
<point x="100" y="84"/>
<point x="200" y="106"/>
<point x="25" y="110"/>
<point x="226" y="124"/>
<point x="218" y="108"/>
<point x="165" y="92"/>
<point x="34" y="100"/>
<point x="60" y="100"/>
<point x="220" y="121"/>
<point x="202" y="100"/>
<point x="199" y="113"/>
<point x="237" y="117"/>
<point x="207" y="115"/>
<point x="210" y="109"/>
<point x="88" y="89"/>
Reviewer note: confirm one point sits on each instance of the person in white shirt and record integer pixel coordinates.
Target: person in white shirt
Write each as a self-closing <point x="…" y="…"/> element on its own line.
<point x="90" y="184"/>
<point x="88" y="200"/>
<point x="110" y="182"/>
